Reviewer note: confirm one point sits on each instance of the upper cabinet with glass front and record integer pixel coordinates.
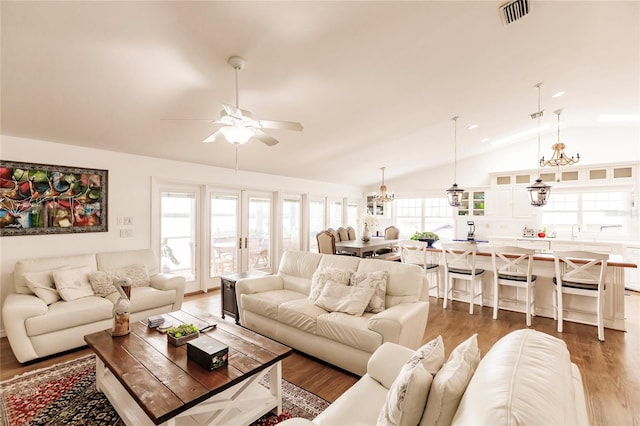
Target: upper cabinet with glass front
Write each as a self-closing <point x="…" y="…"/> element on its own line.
<point x="473" y="203"/>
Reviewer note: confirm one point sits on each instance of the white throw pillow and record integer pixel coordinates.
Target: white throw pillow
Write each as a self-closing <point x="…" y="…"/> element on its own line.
<point x="102" y="283"/>
<point x="378" y="282"/>
<point x="450" y="383"/>
<point x="407" y="396"/>
<point x="321" y="276"/>
<point x="431" y="355"/>
<point x="73" y="283"/>
<point x="341" y="298"/>
<point x="41" y="283"/>
<point x="138" y="273"/>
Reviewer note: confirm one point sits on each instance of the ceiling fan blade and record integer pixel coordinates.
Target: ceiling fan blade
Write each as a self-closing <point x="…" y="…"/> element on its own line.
<point x="213" y="137"/>
<point x="235" y="111"/>
<point x="264" y="138"/>
<point x="286" y="125"/>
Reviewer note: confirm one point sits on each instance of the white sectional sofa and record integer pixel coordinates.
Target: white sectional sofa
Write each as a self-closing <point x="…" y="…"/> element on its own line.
<point x="278" y="306"/>
<point x="36" y="329"/>
<point x="527" y="378"/>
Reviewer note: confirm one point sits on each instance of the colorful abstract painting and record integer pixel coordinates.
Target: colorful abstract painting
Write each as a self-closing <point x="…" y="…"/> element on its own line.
<point x="38" y="199"/>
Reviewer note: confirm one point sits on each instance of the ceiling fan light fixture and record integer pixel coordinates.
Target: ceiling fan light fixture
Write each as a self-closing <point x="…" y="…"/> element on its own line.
<point x="237" y="135"/>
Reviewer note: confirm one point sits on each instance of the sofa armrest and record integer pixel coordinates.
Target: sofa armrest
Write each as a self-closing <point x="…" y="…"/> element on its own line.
<point x="403" y="324"/>
<point x="16" y="310"/>
<point x="170" y="282"/>
<point x="385" y="363"/>
<point x="258" y="285"/>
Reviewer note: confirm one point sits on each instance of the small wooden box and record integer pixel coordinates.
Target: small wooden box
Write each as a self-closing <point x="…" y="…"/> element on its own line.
<point x="207" y="352"/>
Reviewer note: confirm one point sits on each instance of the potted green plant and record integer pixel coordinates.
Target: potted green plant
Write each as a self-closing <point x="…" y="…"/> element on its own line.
<point x="180" y="334"/>
<point x="426" y="236"/>
<point x="167" y="253"/>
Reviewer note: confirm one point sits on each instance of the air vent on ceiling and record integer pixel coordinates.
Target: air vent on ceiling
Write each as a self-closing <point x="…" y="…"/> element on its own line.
<point x="514" y="10"/>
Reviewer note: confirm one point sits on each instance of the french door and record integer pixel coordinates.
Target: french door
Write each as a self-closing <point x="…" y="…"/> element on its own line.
<point x="240" y="226"/>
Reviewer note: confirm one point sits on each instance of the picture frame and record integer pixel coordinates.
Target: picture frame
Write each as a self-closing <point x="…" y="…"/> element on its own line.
<point x="42" y="199"/>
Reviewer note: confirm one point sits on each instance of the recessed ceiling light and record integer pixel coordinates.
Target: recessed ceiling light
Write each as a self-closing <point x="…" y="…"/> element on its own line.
<point x="485" y="140"/>
<point x="472" y="126"/>
<point x="619" y="118"/>
<point x="557" y="95"/>
<point x="519" y="135"/>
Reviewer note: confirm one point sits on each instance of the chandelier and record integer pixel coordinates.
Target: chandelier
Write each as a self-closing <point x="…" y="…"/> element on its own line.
<point x="539" y="191"/>
<point x="383" y="197"/>
<point x="559" y="158"/>
<point x="454" y="194"/>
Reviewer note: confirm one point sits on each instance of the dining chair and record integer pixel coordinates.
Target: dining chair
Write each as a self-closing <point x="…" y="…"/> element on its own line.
<point x="343" y="234"/>
<point x="351" y="231"/>
<point x="335" y="234"/>
<point x="459" y="260"/>
<point x="417" y="254"/>
<point x="513" y="267"/>
<point x="326" y="242"/>
<point x="580" y="273"/>
<point x="390" y="233"/>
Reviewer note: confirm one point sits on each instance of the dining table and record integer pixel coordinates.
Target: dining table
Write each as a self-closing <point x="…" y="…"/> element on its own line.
<point x="364" y="248"/>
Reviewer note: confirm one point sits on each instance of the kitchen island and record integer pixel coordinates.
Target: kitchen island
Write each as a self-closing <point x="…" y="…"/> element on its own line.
<point x="577" y="309"/>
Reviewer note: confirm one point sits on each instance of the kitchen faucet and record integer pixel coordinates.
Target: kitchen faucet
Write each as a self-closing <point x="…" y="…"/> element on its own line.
<point x="573" y="227"/>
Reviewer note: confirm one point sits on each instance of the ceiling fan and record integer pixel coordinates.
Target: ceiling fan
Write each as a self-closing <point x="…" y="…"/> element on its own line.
<point x="238" y="125"/>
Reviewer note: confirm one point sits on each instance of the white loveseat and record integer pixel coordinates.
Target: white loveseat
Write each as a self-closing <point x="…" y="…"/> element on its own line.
<point x="36" y="329"/>
<point x="527" y="378"/>
<point x="278" y="306"/>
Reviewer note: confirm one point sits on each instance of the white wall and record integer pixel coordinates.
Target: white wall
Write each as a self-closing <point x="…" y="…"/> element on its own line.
<point x="129" y="195"/>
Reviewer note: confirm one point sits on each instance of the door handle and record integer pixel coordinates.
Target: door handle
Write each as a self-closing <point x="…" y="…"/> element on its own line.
<point x="240" y="243"/>
<point x="246" y="243"/>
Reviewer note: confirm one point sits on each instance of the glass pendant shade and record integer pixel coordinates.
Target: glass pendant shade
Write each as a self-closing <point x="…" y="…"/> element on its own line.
<point x="237" y="135"/>
<point x="539" y="193"/>
<point x="454" y="195"/>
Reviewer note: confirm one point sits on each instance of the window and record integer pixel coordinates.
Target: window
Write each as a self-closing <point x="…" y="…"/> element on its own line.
<point x="424" y="214"/>
<point x="291" y="216"/>
<point x="352" y="214"/>
<point x="177" y="232"/>
<point x="594" y="212"/>
<point x="316" y="221"/>
<point x="335" y="214"/>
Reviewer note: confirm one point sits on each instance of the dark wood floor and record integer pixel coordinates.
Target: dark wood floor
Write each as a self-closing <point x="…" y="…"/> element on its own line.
<point x="610" y="369"/>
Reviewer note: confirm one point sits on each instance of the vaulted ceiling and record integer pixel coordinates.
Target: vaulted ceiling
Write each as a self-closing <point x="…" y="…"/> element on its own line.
<point x="374" y="83"/>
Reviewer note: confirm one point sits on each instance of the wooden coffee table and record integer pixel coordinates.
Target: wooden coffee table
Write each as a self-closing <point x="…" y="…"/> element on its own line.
<point x="148" y="381"/>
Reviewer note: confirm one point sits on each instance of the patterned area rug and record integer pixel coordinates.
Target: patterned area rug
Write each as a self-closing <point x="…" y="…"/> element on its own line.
<point x="65" y="394"/>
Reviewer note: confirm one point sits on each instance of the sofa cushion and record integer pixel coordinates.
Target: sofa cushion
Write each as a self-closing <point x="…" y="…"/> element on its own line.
<point x="102" y="283"/>
<point x="349" y="330"/>
<point x="431" y="355"/>
<point x="109" y="261"/>
<point x="404" y="283"/>
<point x="378" y="282"/>
<point x="137" y="273"/>
<point x="300" y="313"/>
<point x="297" y="268"/>
<point x="73" y="283"/>
<point x="322" y="275"/>
<point x="526" y="378"/>
<point x="146" y="298"/>
<point x="337" y="297"/>
<point x="407" y="396"/>
<point x="42" y="284"/>
<point x="48" y="264"/>
<point x="63" y="315"/>
<point x="450" y="383"/>
<point x="338" y="261"/>
<point x="266" y="303"/>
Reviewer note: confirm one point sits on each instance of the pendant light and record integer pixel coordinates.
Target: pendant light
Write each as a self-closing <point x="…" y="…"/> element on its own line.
<point x="538" y="191"/>
<point x="559" y="158"/>
<point x="454" y="194"/>
<point x="383" y="196"/>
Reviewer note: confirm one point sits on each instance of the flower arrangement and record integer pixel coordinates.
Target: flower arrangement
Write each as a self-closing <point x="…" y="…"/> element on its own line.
<point x="370" y="220"/>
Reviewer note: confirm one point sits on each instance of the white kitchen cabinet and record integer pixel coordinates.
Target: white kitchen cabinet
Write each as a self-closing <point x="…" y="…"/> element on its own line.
<point x="473" y="203"/>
